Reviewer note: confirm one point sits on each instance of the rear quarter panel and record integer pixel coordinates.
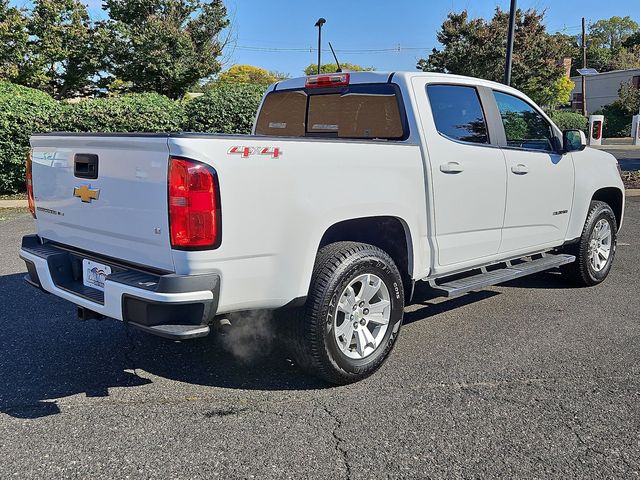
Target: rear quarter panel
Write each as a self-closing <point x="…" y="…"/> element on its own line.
<point x="276" y="210"/>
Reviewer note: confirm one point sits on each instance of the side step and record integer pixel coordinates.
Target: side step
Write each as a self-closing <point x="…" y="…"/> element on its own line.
<point x="464" y="285"/>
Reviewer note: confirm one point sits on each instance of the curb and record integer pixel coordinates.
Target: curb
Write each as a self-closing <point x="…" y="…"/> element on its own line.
<point x="632" y="192"/>
<point x="14" y="204"/>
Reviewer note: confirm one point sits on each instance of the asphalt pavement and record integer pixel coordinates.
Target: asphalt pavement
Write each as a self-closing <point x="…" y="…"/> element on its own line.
<point x="529" y="379"/>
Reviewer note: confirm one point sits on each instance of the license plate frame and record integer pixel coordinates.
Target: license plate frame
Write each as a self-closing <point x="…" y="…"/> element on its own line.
<point x="94" y="274"/>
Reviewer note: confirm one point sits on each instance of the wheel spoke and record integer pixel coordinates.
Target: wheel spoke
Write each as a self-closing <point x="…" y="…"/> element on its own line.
<point x="361" y="342"/>
<point x="379" y="307"/>
<point x="370" y="287"/>
<point x="348" y="300"/>
<point x="604" y="231"/>
<point x="377" y="318"/>
<point x="371" y="342"/>
<point x="346" y="332"/>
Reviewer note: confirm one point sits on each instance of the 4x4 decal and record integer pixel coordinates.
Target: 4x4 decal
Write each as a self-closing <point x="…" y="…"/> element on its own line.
<point x="246" y="152"/>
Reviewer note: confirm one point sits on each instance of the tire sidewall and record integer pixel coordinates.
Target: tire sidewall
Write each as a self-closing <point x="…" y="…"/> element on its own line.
<point x="350" y="270"/>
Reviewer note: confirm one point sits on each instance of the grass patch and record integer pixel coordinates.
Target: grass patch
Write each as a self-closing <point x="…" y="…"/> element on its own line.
<point x="14" y="196"/>
<point x="12" y="213"/>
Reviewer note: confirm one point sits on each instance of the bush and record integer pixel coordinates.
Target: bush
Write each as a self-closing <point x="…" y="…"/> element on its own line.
<point x="23" y="111"/>
<point x="617" y="121"/>
<point x="136" y="112"/>
<point x="226" y="108"/>
<point x="569" y="120"/>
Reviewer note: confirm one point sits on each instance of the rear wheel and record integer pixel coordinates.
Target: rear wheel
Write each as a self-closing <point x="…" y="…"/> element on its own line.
<point x="596" y="248"/>
<point x="353" y="313"/>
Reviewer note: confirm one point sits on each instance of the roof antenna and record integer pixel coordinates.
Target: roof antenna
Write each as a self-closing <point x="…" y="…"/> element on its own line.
<point x="334" y="56"/>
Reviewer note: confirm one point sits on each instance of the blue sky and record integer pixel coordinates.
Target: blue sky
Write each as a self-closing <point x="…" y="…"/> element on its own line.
<point x="279" y="34"/>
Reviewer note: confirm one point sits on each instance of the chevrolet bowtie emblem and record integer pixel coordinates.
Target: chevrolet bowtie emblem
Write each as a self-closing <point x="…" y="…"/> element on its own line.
<point x="86" y="194"/>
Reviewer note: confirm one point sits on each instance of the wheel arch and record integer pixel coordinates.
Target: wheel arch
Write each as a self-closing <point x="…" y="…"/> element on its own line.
<point x="388" y="233"/>
<point x="613" y="197"/>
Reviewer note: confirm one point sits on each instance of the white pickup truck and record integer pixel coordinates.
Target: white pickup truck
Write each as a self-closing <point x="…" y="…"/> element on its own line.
<point x="351" y="188"/>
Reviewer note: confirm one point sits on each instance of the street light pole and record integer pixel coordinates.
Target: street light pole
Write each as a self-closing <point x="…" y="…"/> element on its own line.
<point x="584" y="66"/>
<point x="510" y="36"/>
<point x="321" y="21"/>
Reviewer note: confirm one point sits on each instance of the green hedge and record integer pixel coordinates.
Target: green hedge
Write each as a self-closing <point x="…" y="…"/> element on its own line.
<point x="22" y="112"/>
<point x="227" y="108"/>
<point x="569" y="120"/>
<point x="136" y="112"/>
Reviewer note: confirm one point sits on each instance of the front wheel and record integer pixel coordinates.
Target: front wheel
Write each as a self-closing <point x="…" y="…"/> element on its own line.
<point x="596" y="248"/>
<point x="353" y="313"/>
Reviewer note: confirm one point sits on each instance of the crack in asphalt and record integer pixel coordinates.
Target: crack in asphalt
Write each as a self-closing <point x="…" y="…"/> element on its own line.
<point x="339" y="441"/>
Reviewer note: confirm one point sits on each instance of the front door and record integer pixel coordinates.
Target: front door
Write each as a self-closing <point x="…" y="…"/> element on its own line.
<point x="539" y="179"/>
<point x="467" y="172"/>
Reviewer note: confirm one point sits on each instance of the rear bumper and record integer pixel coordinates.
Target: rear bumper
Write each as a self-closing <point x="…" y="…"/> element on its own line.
<point x="172" y="306"/>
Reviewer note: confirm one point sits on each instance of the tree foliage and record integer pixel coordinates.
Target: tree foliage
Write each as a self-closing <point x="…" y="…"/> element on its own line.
<point x="13" y="40"/>
<point x="165" y="46"/>
<point x="333" y="67"/>
<point x="477" y="48"/>
<point x="64" y="49"/>
<point x="248" y="74"/>
<point x="612" y="44"/>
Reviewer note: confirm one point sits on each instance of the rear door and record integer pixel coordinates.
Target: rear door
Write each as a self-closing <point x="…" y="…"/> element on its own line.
<point x="540" y="180"/>
<point x="104" y="194"/>
<point x="467" y="172"/>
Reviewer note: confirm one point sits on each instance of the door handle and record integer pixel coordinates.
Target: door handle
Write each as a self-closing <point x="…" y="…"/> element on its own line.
<point x="520" y="169"/>
<point x="451" y="167"/>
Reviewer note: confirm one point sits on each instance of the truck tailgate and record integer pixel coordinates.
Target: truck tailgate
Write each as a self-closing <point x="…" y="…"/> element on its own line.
<point x="120" y="210"/>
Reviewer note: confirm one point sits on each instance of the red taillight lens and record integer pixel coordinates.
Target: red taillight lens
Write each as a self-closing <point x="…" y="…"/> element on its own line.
<point x="193" y="205"/>
<point x="29" y="175"/>
<point x="327" y="81"/>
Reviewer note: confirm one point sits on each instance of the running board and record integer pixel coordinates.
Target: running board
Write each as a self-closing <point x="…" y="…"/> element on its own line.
<point x="464" y="285"/>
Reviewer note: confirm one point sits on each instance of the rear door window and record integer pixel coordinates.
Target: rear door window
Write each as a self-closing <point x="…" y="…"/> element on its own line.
<point x="457" y="113"/>
<point x="357" y="112"/>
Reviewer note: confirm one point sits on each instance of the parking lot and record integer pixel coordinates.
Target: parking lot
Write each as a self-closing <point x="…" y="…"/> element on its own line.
<point x="532" y="378"/>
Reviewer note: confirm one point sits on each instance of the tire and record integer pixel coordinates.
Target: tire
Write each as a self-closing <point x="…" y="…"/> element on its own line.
<point x="338" y="283"/>
<point x="585" y="271"/>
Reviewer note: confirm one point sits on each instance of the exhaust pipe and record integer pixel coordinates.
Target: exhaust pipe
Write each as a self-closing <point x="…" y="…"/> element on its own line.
<point x="86" y="314"/>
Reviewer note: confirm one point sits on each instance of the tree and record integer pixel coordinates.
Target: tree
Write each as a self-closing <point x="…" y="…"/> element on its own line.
<point x="13" y="40"/>
<point x="247" y="74"/>
<point x="64" y="50"/>
<point x="611" y="45"/>
<point x="612" y="33"/>
<point x="333" y="67"/>
<point x="165" y="46"/>
<point x="477" y="48"/>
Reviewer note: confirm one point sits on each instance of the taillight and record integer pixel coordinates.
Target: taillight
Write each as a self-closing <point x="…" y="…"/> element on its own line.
<point x="327" y="81"/>
<point x="29" y="175"/>
<point x="194" y="212"/>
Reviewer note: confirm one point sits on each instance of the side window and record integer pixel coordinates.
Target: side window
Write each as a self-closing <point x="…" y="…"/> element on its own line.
<point x="523" y="125"/>
<point x="458" y="113"/>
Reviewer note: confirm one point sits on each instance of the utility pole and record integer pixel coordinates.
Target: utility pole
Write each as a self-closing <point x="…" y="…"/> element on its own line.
<point x="584" y="65"/>
<point x="510" y="35"/>
<point x="321" y="21"/>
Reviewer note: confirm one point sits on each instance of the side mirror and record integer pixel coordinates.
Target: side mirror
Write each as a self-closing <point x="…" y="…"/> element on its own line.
<point x="574" y="140"/>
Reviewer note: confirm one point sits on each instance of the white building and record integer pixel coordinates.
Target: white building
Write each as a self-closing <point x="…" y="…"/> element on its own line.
<point x="602" y="89"/>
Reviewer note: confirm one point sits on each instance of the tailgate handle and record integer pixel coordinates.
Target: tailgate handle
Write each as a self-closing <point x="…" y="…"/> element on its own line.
<point x="85" y="165"/>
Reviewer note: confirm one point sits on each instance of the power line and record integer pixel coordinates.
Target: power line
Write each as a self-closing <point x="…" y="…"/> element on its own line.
<point x="397" y="49"/>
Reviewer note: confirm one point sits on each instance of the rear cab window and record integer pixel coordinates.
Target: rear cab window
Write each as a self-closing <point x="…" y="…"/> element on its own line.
<point x="359" y="111"/>
<point x="457" y="113"/>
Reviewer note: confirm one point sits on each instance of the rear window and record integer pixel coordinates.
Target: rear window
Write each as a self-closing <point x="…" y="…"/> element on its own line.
<point x="360" y="111"/>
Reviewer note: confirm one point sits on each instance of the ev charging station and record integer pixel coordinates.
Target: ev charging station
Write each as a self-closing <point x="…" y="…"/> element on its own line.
<point x="596" y="123"/>
<point x="635" y="130"/>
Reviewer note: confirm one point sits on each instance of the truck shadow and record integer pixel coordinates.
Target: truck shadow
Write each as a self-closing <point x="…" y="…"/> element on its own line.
<point x="47" y="354"/>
